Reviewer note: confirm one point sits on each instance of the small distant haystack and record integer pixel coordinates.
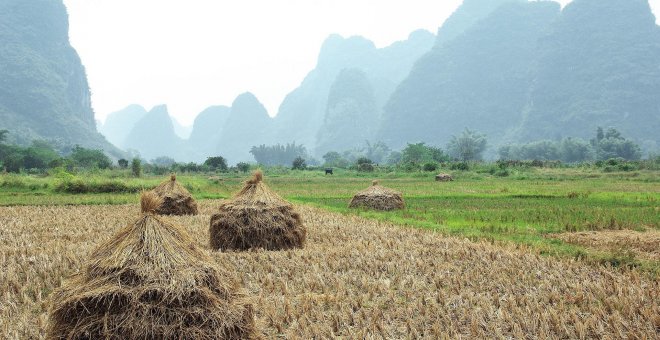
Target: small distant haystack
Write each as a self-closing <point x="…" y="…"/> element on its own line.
<point x="378" y="198"/>
<point x="443" y="178"/>
<point x="176" y="199"/>
<point x="150" y="282"/>
<point x="256" y="218"/>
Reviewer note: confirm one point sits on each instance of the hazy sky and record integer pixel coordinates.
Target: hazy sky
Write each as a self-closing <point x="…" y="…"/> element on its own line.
<point x="190" y="54"/>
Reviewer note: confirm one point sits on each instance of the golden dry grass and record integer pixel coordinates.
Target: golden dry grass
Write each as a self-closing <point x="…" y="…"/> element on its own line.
<point x="643" y="244"/>
<point x="355" y="278"/>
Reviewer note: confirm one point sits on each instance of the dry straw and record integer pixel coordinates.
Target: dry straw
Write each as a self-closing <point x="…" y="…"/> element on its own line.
<point x="256" y="218"/>
<point x="150" y="281"/>
<point x="377" y="197"/>
<point x="176" y="200"/>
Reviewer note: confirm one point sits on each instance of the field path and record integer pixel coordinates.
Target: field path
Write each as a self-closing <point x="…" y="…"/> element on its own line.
<point x="356" y="278"/>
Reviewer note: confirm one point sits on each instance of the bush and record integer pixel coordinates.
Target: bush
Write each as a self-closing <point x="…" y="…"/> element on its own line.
<point x="72" y="187"/>
<point x="88" y="158"/>
<point x="461" y="166"/>
<point x="136" y="167"/>
<point x="430" y="167"/>
<point x="299" y="164"/>
<point x="13" y="182"/>
<point x="243" y="167"/>
<point x="78" y="186"/>
<point x="216" y="163"/>
<point x="365" y="167"/>
<point x="501" y="173"/>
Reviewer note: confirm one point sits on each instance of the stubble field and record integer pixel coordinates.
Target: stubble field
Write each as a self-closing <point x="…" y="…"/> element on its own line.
<point x="356" y="278"/>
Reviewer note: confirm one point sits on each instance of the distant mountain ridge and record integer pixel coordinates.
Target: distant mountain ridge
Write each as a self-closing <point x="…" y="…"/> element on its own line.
<point x="529" y="72"/>
<point x="515" y="70"/>
<point x="302" y="114"/>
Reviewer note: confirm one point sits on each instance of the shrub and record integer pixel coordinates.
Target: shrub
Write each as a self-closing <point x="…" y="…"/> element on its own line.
<point x="136" y="167"/>
<point x="299" y="164"/>
<point x="216" y="163"/>
<point x="78" y="186"/>
<point x="461" y="166"/>
<point x="243" y="167"/>
<point x="365" y="167"/>
<point x="430" y="167"/>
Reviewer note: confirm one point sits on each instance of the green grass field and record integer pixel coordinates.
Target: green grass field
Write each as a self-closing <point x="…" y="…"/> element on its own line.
<point x="524" y="208"/>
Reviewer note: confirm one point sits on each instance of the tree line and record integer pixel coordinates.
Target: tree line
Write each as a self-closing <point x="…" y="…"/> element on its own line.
<point x="466" y="147"/>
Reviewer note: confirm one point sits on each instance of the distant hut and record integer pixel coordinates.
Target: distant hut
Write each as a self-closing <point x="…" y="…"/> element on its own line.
<point x="256" y="218"/>
<point x="378" y="197"/>
<point x="176" y="199"/>
<point x="150" y="281"/>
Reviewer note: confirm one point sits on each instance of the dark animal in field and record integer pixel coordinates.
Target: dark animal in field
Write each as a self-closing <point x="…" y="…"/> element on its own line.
<point x="328" y="171"/>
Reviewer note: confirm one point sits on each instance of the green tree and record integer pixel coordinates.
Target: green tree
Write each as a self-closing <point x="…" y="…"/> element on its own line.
<point x="377" y="152"/>
<point x="573" y="150"/>
<point x="421" y="153"/>
<point x="299" y="164"/>
<point x="3" y="136"/>
<point x="39" y="156"/>
<point x="136" y="167"/>
<point x="216" y="163"/>
<point x="612" y="144"/>
<point x="334" y="159"/>
<point x="243" y="167"/>
<point x="278" y="154"/>
<point x="414" y="153"/>
<point x="469" y="146"/>
<point x="88" y="158"/>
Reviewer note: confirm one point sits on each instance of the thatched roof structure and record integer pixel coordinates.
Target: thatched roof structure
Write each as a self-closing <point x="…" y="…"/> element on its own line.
<point x="150" y="281"/>
<point x="256" y="217"/>
<point x="378" y="197"/>
<point x="176" y="199"/>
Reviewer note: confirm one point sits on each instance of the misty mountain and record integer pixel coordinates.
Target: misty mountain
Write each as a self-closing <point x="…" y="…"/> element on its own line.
<point x="248" y="125"/>
<point x="529" y="71"/>
<point x="479" y="80"/>
<point x="44" y="92"/>
<point x="119" y="124"/>
<point x="467" y="15"/>
<point x="599" y="66"/>
<point x="183" y="131"/>
<point x="302" y="112"/>
<point x="206" y="131"/>
<point x="153" y="136"/>
<point x="351" y="115"/>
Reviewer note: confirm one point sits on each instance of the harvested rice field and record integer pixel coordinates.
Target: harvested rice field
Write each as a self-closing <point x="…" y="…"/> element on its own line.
<point x="356" y="278"/>
<point x="644" y="244"/>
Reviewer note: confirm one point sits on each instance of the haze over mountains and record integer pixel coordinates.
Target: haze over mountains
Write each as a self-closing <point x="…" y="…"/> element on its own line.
<point x="515" y="70"/>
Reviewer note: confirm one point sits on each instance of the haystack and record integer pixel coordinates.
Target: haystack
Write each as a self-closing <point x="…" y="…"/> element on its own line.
<point x="150" y="281"/>
<point x="176" y="199"/>
<point x="378" y="197"/>
<point x="256" y="218"/>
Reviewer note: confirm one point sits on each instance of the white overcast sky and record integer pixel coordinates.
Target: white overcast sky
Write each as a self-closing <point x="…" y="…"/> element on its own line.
<point x="190" y="54"/>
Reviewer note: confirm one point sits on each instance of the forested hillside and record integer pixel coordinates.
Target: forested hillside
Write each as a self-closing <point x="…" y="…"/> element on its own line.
<point x="528" y="72"/>
<point x="43" y="86"/>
